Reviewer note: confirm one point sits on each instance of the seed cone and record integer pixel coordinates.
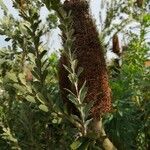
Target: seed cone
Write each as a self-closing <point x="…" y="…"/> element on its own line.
<point x="90" y="56"/>
<point x="116" y="46"/>
<point x="117" y="51"/>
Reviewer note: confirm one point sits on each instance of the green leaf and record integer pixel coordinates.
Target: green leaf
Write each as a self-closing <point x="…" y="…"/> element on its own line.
<point x="43" y="108"/>
<point x="62" y="27"/>
<point x="70" y="33"/>
<point x="88" y="122"/>
<point x="80" y="70"/>
<point x="37" y="86"/>
<point x="83" y="92"/>
<point x="37" y="39"/>
<point x="20" y="88"/>
<point x="22" y="78"/>
<point x="30" y="99"/>
<point x="120" y="113"/>
<point x="55" y="121"/>
<point x="73" y="99"/>
<point x="76" y="118"/>
<point x="68" y="43"/>
<point x="75" y="145"/>
<point x="84" y="145"/>
<point x="45" y="73"/>
<point x="73" y="78"/>
<point x="71" y="92"/>
<point x="74" y="64"/>
<point x="38" y="63"/>
<point x="12" y="76"/>
<point x="4" y="7"/>
<point x="55" y="4"/>
<point x="35" y="25"/>
<point x="47" y="3"/>
<point x="45" y="63"/>
<point x="29" y="30"/>
<point x="29" y="88"/>
<point x="35" y="75"/>
<point x="67" y="68"/>
<point x="43" y="54"/>
<point x="41" y="98"/>
<point x="86" y="109"/>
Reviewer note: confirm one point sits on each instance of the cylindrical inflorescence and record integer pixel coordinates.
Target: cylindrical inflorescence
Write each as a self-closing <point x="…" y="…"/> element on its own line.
<point x="116" y="46"/>
<point x="90" y="56"/>
<point x="117" y="50"/>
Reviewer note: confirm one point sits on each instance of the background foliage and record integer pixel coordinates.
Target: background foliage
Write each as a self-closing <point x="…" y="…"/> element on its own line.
<point x="31" y="112"/>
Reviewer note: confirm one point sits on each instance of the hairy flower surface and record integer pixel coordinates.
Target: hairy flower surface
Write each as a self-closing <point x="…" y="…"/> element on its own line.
<point x="90" y="56"/>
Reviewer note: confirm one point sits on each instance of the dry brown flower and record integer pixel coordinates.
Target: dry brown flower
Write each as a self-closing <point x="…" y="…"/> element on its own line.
<point x="90" y="56"/>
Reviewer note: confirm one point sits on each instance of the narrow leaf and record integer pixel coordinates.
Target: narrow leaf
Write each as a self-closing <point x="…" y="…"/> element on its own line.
<point x="43" y="108"/>
<point x="73" y="99"/>
<point x="35" y="75"/>
<point x="75" y="145"/>
<point x="12" y="77"/>
<point x="43" y="54"/>
<point x="41" y="98"/>
<point x="83" y="92"/>
<point x="80" y="70"/>
<point x="67" y="68"/>
<point x="30" y="99"/>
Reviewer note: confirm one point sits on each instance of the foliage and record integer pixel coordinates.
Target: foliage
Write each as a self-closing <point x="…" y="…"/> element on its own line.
<point x="130" y="119"/>
<point x="32" y="115"/>
<point x="130" y="114"/>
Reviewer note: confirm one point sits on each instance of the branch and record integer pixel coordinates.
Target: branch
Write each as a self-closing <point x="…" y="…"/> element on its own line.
<point x="99" y="129"/>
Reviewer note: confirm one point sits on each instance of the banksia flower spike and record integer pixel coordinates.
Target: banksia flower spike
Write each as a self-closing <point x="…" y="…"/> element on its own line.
<point x="116" y="46"/>
<point x="116" y="49"/>
<point x="90" y="56"/>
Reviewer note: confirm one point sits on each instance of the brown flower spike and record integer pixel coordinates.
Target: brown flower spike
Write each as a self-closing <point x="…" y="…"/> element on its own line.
<point x="116" y="49"/>
<point x="90" y="56"/>
<point x="116" y="46"/>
